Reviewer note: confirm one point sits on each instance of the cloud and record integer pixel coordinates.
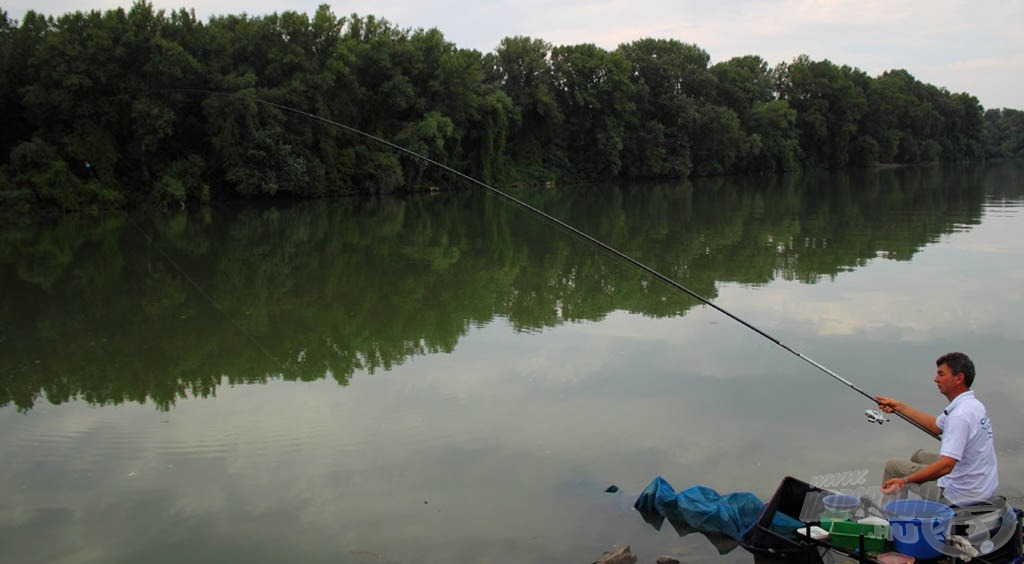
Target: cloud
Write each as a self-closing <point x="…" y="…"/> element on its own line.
<point x="1010" y="61"/>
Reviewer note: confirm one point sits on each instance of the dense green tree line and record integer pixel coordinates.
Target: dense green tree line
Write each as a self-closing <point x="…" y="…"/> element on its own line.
<point x="1004" y="133"/>
<point x="107" y="108"/>
<point x="133" y="308"/>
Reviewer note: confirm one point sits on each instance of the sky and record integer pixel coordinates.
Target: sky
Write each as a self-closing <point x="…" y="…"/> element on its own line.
<point x="964" y="46"/>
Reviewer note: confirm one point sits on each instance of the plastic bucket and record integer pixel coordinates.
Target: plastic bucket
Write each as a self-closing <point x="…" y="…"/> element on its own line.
<point x="839" y="502"/>
<point x="838" y="507"/>
<point x="919" y="527"/>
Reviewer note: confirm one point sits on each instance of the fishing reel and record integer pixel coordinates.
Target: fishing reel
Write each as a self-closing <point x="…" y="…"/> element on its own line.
<point x="875" y="416"/>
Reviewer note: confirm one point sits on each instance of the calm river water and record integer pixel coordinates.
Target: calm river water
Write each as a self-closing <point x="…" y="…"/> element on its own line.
<point x="447" y="378"/>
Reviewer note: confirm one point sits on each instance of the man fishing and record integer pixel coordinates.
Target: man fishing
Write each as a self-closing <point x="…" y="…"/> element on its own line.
<point x="965" y="466"/>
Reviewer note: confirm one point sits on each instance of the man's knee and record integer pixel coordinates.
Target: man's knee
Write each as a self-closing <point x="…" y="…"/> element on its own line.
<point x="922" y="456"/>
<point x="896" y="468"/>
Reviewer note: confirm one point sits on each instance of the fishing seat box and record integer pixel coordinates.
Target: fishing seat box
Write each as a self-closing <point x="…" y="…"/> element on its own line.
<point x="790" y="498"/>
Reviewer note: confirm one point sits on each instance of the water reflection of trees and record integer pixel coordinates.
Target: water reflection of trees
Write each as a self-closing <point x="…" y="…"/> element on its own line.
<point x="134" y="309"/>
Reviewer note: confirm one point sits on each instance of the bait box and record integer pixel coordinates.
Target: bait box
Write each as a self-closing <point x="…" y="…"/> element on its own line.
<point x="846" y="534"/>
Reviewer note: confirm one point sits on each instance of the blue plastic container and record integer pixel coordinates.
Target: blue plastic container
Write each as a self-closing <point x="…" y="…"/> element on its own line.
<point x="919" y="527"/>
<point x="840" y="502"/>
<point x="838" y="507"/>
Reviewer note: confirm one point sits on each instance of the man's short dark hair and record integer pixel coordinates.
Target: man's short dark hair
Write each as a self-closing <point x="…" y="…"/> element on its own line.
<point x="958" y="362"/>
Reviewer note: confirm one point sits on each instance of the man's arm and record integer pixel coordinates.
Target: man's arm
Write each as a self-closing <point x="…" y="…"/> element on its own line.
<point x="944" y="465"/>
<point x="923" y="419"/>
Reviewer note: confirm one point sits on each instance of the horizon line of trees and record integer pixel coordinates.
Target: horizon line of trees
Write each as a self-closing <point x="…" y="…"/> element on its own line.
<point x="105" y="109"/>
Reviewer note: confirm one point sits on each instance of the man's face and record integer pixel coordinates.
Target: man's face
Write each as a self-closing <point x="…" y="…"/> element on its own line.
<point x="946" y="380"/>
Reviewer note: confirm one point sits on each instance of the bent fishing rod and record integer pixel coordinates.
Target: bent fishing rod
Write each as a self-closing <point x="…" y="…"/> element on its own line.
<point x="585" y="236"/>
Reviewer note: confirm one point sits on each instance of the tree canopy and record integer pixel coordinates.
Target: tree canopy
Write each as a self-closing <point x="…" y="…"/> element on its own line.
<point x="108" y="108"/>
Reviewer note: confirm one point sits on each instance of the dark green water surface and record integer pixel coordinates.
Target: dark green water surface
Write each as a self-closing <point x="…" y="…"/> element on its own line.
<point x="448" y="378"/>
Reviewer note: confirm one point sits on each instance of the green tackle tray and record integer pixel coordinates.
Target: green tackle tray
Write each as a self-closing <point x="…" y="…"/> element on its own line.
<point x="846" y="534"/>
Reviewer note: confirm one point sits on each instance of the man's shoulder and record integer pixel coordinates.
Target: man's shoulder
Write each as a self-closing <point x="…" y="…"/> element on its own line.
<point x="973" y="404"/>
<point x="967" y="413"/>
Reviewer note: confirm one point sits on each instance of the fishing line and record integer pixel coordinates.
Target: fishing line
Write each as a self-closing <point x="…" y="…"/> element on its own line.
<point x="597" y="242"/>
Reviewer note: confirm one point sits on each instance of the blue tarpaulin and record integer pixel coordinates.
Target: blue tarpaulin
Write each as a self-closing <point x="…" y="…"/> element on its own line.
<point x="706" y="510"/>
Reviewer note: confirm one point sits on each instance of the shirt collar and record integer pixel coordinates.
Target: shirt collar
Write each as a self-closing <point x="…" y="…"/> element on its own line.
<point x="957" y="401"/>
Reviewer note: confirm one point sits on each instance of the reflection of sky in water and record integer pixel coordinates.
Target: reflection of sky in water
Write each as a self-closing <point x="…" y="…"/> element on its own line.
<point x="500" y="451"/>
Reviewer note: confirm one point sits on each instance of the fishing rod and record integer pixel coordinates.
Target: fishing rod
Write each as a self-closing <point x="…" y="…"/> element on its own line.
<point x="872" y="415"/>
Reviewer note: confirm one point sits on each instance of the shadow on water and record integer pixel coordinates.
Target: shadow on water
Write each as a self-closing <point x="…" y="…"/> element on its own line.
<point x="157" y="308"/>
